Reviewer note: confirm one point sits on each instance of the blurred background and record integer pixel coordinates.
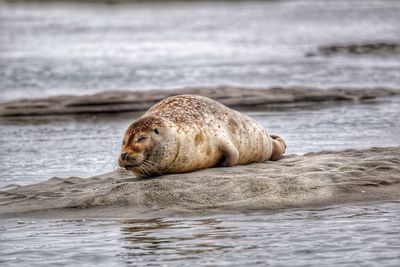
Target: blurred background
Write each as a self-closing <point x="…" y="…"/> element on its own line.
<point x="79" y="47"/>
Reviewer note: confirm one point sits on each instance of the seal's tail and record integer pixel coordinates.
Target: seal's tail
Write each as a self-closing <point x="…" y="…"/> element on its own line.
<point x="279" y="147"/>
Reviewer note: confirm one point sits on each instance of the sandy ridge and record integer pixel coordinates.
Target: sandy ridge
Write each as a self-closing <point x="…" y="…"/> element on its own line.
<point x="313" y="179"/>
<point x="369" y="48"/>
<point x="234" y="96"/>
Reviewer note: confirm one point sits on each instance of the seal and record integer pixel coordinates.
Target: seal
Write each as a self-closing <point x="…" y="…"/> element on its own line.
<point x="185" y="133"/>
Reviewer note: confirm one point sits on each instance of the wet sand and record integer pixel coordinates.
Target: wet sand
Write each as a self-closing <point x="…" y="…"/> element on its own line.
<point x="313" y="179"/>
<point x="233" y="96"/>
<point x="373" y="48"/>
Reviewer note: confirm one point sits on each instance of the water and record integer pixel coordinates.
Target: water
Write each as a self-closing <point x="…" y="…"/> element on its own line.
<point x="50" y="49"/>
<point x="61" y="48"/>
<point x="35" y="149"/>
<point x="353" y="235"/>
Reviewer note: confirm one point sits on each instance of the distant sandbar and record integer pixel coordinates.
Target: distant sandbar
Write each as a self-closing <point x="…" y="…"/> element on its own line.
<point x="233" y="96"/>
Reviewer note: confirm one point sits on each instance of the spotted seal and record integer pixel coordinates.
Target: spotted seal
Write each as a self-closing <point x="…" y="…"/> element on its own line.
<point x="185" y="133"/>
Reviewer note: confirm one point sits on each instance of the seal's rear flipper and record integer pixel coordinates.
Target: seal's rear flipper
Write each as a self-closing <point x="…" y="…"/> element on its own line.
<point x="230" y="155"/>
<point x="279" y="147"/>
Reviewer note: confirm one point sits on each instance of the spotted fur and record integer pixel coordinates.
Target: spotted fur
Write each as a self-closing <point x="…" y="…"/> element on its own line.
<point x="188" y="132"/>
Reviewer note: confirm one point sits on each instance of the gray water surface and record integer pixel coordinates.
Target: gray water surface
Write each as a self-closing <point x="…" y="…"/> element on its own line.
<point x="352" y="235"/>
<point x="35" y="149"/>
<point x="72" y="48"/>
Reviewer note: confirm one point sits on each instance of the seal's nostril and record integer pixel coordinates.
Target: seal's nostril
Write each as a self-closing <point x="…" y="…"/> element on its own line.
<point x="124" y="156"/>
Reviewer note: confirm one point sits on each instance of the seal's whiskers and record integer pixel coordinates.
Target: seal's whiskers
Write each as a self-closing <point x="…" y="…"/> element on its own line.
<point x="151" y="167"/>
<point x="141" y="167"/>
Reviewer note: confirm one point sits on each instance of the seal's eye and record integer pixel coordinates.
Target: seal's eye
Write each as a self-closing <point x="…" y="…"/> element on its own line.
<point x="123" y="142"/>
<point x="155" y="130"/>
<point x="141" y="139"/>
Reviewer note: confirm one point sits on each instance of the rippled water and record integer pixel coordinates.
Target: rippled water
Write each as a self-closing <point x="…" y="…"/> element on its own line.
<point x="80" y="48"/>
<point x="353" y="235"/>
<point x="35" y="149"/>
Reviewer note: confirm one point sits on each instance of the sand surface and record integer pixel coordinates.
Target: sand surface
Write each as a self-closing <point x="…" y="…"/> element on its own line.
<point x="313" y="179"/>
<point x="377" y="48"/>
<point x="233" y="96"/>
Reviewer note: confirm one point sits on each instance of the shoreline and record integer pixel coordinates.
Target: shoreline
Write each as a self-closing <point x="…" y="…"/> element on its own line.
<point x="233" y="96"/>
<point x="311" y="180"/>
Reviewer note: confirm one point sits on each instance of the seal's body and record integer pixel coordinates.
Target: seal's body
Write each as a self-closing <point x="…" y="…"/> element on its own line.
<point x="187" y="132"/>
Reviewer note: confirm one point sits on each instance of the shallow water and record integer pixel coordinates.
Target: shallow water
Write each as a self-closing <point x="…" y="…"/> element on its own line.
<point x="352" y="235"/>
<point x="35" y="149"/>
<point x="50" y="49"/>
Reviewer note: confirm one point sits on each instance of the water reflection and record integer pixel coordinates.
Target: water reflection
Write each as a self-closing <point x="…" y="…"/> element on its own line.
<point x="332" y="235"/>
<point x="182" y="238"/>
<point x="350" y="235"/>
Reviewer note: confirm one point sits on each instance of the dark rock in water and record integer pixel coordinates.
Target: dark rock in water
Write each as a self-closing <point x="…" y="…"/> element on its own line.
<point x="234" y="96"/>
<point x="314" y="179"/>
<point x="379" y="48"/>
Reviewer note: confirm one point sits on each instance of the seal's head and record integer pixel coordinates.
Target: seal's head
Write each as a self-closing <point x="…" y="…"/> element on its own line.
<point x="148" y="147"/>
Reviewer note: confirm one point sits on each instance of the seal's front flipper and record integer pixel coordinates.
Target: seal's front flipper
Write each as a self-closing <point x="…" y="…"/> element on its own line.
<point x="230" y="155"/>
